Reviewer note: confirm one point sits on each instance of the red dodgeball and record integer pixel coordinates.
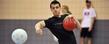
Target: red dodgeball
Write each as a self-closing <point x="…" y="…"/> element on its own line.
<point x="69" y="24"/>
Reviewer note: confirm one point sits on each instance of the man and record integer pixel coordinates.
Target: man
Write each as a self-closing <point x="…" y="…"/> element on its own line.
<point x="87" y="23"/>
<point x="64" y="10"/>
<point x="54" y="24"/>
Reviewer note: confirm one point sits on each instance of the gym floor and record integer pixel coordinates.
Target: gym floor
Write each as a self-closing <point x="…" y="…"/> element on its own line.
<point x="100" y="32"/>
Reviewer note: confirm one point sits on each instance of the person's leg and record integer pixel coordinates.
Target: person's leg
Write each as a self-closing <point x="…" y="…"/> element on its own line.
<point x="81" y="40"/>
<point x="90" y="37"/>
<point x="89" y="41"/>
<point x="82" y="36"/>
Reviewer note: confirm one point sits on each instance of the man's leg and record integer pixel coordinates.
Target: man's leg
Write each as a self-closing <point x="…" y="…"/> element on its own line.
<point x="89" y="40"/>
<point x="81" y="40"/>
<point x="90" y="37"/>
<point x="82" y="36"/>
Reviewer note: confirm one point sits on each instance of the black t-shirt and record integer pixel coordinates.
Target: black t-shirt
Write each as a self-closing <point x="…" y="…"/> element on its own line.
<point x="55" y="25"/>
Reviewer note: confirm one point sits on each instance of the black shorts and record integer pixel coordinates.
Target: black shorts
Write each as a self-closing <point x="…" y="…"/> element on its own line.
<point x="86" y="33"/>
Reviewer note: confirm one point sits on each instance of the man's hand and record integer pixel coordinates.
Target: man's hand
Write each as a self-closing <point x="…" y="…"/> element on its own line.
<point x="39" y="27"/>
<point x="68" y="17"/>
<point x="90" y="29"/>
<point x="39" y="32"/>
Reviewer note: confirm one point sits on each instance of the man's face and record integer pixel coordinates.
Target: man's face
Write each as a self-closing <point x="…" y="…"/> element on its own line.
<point x="55" y="8"/>
<point x="88" y="5"/>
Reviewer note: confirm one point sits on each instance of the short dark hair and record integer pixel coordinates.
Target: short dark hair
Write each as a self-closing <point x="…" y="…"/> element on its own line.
<point x="87" y="1"/>
<point x="55" y="2"/>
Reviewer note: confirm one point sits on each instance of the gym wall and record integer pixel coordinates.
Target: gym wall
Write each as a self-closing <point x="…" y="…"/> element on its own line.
<point x="39" y="9"/>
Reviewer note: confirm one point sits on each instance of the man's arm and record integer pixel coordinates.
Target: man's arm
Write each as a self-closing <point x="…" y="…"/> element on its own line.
<point x="78" y="24"/>
<point x="92" y="22"/>
<point x="93" y="18"/>
<point x="39" y="27"/>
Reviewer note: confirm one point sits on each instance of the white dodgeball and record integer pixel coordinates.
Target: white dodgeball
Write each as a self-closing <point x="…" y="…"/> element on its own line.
<point x="19" y="36"/>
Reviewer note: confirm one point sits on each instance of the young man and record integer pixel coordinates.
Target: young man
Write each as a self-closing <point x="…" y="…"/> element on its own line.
<point x="54" y="24"/>
<point x="87" y="22"/>
<point x="64" y="10"/>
